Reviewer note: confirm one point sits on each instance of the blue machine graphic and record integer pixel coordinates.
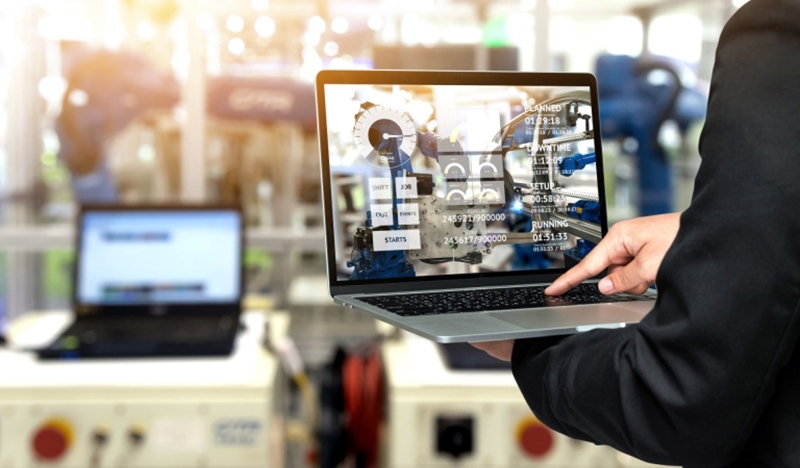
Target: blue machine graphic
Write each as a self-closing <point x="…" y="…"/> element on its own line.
<point x="380" y="134"/>
<point x="576" y="162"/>
<point x="472" y="205"/>
<point x="585" y="210"/>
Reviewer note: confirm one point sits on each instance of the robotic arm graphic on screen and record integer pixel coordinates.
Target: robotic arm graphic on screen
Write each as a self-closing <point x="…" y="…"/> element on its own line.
<point x="474" y="204"/>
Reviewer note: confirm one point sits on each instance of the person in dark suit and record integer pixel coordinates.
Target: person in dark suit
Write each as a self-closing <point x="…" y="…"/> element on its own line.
<point x="711" y="376"/>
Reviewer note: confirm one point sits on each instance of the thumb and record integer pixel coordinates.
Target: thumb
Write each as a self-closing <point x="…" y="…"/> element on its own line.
<point x="623" y="279"/>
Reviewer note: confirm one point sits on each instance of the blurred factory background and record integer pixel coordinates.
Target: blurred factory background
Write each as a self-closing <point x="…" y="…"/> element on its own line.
<point x="208" y="101"/>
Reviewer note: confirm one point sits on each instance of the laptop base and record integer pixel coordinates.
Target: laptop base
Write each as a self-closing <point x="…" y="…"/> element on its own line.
<point x="127" y="337"/>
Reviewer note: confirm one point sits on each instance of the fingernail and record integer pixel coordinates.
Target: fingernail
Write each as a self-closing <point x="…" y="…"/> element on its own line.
<point x="605" y="286"/>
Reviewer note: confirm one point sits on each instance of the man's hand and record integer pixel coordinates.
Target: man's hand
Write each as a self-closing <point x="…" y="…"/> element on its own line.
<point x="632" y="251"/>
<point x="497" y="349"/>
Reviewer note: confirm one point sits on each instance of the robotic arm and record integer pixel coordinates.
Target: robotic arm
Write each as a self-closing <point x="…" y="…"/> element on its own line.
<point x="106" y="92"/>
<point x="633" y="107"/>
<point x="576" y="162"/>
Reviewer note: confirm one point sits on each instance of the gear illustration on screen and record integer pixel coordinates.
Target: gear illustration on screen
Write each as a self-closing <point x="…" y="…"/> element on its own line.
<point x="384" y="136"/>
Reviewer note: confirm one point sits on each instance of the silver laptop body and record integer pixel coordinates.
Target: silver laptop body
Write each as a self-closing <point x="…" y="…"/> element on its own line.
<point x="451" y="182"/>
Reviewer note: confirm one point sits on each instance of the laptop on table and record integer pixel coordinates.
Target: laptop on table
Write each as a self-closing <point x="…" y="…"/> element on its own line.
<point x="453" y="199"/>
<point x="154" y="281"/>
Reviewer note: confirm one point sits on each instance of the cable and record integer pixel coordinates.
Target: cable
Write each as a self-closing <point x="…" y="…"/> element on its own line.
<point x="363" y="385"/>
<point x="439" y="261"/>
<point x="436" y="261"/>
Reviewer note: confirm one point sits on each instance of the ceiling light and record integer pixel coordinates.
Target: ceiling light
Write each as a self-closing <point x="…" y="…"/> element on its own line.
<point x="234" y="23"/>
<point x="331" y="48"/>
<point x="236" y="46"/>
<point x="375" y="22"/>
<point x="339" y="25"/>
<point x="316" y="25"/>
<point x="265" y="26"/>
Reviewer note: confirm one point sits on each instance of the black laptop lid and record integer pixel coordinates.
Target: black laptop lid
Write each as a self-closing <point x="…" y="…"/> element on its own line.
<point x="158" y="260"/>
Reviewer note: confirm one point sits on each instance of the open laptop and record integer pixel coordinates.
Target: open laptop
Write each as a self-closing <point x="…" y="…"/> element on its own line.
<point x="452" y="199"/>
<point x="154" y="281"/>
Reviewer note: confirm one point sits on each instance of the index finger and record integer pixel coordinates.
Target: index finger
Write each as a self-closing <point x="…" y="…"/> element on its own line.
<point x="598" y="260"/>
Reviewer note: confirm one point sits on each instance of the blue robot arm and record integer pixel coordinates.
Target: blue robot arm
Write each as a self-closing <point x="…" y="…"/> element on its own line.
<point x="633" y="107"/>
<point x="575" y="162"/>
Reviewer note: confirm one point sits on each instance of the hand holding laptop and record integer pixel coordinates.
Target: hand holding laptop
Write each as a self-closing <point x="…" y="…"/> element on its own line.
<point x="632" y="252"/>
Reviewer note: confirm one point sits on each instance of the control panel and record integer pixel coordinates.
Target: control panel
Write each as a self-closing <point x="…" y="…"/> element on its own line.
<point x="166" y="433"/>
<point x="197" y="412"/>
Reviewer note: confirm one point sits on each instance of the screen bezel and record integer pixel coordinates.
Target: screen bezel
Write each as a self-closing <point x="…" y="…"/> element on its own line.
<point x="217" y="308"/>
<point x="433" y="78"/>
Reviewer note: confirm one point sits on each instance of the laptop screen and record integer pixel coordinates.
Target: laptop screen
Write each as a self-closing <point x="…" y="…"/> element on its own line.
<point x="135" y="257"/>
<point x="451" y="180"/>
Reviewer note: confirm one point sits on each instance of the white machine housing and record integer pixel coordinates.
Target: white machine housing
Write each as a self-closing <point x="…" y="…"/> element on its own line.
<point x="205" y="412"/>
<point x="421" y="389"/>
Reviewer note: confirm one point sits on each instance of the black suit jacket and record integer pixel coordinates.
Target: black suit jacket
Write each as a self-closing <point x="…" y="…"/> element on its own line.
<point x="711" y="377"/>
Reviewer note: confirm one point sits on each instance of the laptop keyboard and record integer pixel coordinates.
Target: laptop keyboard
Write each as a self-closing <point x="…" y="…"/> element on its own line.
<point x="161" y="329"/>
<point x="454" y="302"/>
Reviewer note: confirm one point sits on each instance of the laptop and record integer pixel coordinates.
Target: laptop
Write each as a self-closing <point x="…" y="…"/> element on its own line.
<point x="154" y="281"/>
<point x="453" y="199"/>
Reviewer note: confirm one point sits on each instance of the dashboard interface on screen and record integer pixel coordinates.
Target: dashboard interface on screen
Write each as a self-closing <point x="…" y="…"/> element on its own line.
<point x="449" y="180"/>
<point x="130" y="258"/>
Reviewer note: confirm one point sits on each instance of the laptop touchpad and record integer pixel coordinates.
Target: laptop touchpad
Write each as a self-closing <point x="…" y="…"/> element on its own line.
<point x="569" y="317"/>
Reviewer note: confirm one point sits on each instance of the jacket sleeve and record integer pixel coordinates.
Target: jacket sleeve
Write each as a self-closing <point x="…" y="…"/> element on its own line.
<point x="688" y="384"/>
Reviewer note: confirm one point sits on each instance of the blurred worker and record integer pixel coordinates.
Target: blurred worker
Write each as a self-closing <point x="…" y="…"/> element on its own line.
<point x="711" y="377"/>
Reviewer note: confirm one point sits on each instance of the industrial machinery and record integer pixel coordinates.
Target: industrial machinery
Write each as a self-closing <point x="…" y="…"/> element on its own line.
<point x="254" y="123"/>
<point x="439" y="417"/>
<point x="470" y="204"/>
<point x="106" y="92"/>
<point x="635" y="107"/>
<point x="146" y="413"/>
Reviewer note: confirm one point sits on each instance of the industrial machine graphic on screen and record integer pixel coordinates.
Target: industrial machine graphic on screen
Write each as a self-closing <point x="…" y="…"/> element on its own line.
<point x="491" y="178"/>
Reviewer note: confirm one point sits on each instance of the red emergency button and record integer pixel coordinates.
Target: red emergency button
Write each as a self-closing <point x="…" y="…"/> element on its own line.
<point x="534" y="438"/>
<point x="52" y="440"/>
